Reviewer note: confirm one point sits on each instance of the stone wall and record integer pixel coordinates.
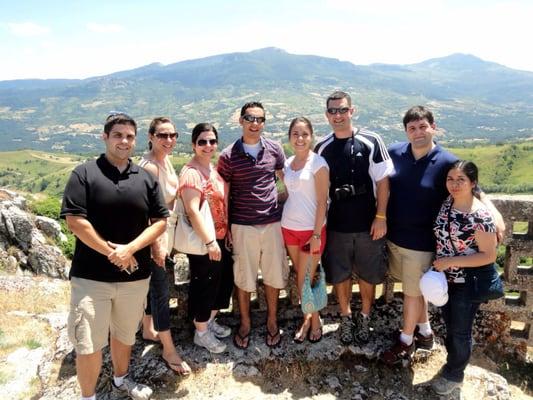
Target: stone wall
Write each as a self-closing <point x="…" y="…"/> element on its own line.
<point x="516" y="278"/>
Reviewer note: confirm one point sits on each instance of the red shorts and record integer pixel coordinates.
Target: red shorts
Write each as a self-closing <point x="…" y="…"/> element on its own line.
<point x="300" y="238"/>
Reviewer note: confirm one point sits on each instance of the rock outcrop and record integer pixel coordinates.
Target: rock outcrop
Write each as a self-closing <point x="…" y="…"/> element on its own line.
<point x="26" y="241"/>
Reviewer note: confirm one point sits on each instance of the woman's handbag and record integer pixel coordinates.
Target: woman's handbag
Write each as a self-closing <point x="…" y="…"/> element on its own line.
<point x="483" y="283"/>
<point x="314" y="298"/>
<point x="185" y="238"/>
<point x="171" y="230"/>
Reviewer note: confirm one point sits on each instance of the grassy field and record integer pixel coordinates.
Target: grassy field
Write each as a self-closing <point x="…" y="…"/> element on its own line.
<point x="503" y="168"/>
<point x="35" y="171"/>
<point x="47" y="173"/>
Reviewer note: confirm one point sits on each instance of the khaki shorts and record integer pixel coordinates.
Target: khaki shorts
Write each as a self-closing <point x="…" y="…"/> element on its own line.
<point x="99" y="308"/>
<point x="259" y="246"/>
<point x="408" y="266"/>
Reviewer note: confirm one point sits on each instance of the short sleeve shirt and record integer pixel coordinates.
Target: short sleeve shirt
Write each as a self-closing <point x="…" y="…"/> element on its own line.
<point x="299" y="211"/>
<point x="359" y="161"/>
<point x="459" y="227"/>
<point x="253" y="196"/>
<point x="417" y="190"/>
<point x="211" y="189"/>
<point x="119" y="205"/>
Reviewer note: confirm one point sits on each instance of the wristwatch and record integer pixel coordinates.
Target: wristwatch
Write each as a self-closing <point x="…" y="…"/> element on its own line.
<point x="315" y="235"/>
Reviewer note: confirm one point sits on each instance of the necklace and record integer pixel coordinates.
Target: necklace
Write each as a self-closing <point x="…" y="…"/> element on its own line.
<point x="298" y="164"/>
<point x="205" y="170"/>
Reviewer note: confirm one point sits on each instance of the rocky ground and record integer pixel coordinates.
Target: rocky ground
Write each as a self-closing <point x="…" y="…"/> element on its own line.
<point x="326" y="370"/>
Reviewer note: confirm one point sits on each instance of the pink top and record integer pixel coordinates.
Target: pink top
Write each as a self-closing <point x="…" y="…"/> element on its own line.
<point x="211" y="188"/>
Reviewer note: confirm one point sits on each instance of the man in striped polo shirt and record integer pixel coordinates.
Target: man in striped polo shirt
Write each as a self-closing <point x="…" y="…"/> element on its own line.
<point x="249" y="166"/>
<point x="359" y="166"/>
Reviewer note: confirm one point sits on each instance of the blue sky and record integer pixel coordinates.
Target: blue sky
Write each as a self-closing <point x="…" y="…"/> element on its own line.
<point x="82" y="38"/>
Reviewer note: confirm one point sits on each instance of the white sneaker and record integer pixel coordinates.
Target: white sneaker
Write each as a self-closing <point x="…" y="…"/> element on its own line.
<point x="209" y="341"/>
<point x="220" y="331"/>
<point x="136" y="391"/>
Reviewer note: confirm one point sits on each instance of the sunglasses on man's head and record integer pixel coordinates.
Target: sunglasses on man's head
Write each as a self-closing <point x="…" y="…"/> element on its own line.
<point x="203" y="142"/>
<point x="251" y="118"/>
<point x="333" y="110"/>
<point x="115" y="114"/>
<point x="165" y="136"/>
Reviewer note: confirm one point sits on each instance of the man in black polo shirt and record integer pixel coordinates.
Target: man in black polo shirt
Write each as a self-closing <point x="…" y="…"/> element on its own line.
<point x="115" y="210"/>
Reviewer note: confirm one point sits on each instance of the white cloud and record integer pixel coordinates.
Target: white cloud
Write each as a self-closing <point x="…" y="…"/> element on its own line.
<point x="27" y="29"/>
<point x="104" y="28"/>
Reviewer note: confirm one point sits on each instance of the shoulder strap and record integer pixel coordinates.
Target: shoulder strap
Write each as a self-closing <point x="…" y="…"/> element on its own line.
<point x="448" y="223"/>
<point x="145" y="161"/>
<point x="203" y="179"/>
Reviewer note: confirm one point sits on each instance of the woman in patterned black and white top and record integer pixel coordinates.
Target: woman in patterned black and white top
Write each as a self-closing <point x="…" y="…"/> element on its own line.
<point x="466" y="238"/>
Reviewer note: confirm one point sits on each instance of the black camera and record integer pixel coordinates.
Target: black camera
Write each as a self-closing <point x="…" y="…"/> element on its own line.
<point x="344" y="192"/>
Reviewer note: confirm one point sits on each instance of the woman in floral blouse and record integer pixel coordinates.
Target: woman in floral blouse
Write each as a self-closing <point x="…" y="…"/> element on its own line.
<point x="466" y="238"/>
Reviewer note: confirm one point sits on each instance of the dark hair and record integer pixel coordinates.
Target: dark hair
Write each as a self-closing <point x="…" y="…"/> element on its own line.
<point x="252" y="104"/>
<point x="469" y="169"/>
<point x="118" y="119"/>
<point x="202" y="127"/>
<point x="155" y="123"/>
<point x="418" y="113"/>
<point x="303" y="120"/>
<point x="339" y="95"/>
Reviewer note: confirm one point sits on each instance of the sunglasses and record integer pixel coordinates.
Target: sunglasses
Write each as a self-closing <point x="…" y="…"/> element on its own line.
<point x="203" y="142"/>
<point x="115" y="114"/>
<point x="251" y="118"/>
<point x="333" y="110"/>
<point x="165" y="136"/>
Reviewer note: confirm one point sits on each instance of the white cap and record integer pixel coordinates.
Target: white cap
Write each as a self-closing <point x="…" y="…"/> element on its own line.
<point x="434" y="287"/>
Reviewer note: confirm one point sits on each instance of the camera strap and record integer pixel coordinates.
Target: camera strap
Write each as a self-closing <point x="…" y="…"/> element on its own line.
<point x="352" y="157"/>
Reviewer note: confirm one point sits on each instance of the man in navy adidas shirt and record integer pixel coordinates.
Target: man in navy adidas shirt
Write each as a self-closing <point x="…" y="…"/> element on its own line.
<point x="359" y="166"/>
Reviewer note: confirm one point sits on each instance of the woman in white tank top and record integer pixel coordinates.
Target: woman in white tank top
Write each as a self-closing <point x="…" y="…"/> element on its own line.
<point x="162" y="137"/>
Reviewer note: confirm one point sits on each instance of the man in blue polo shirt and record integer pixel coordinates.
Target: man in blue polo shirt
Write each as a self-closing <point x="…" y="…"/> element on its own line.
<point x="417" y="190"/>
<point x="115" y="210"/>
<point x="249" y="166"/>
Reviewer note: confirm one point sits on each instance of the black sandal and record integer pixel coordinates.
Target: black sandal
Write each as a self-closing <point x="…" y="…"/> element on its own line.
<point x="271" y="336"/>
<point x="243" y="339"/>
<point x="318" y="339"/>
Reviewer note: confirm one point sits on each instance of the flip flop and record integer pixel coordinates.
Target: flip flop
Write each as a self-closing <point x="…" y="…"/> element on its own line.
<point x="156" y="341"/>
<point x="297" y="340"/>
<point x="271" y="336"/>
<point x="181" y="368"/>
<point x="318" y="339"/>
<point x="304" y="336"/>
<point x="243" y="338"/>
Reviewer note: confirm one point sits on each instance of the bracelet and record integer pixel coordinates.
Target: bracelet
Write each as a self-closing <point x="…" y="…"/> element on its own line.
<point x="316" y="236"/>
<point x="379" y="216"/>
<point x="210" y="243"/>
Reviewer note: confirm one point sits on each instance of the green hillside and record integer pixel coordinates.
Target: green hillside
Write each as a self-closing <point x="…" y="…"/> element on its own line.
<point x="477" y="101"/>
<point x="503" y="168"/>
<point x="40" y="172"/>
<point x="36" y="171"/>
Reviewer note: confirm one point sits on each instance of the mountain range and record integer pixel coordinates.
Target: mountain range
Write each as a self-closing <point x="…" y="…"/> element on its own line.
<point x="474" y="100"/>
